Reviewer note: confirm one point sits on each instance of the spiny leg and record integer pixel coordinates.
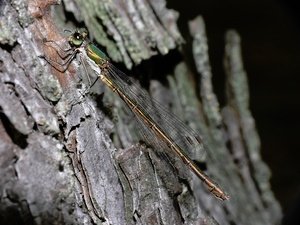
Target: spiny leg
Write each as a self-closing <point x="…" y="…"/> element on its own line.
<point x="58" y="49"/>
<point x="63" y="66"/>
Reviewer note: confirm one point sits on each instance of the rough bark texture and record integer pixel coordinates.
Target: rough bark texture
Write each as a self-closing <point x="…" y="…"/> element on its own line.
<point x="64" y="162"/>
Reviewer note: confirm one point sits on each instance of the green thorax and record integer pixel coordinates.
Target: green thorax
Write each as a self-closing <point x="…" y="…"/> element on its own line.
<point x="96" y="54"/>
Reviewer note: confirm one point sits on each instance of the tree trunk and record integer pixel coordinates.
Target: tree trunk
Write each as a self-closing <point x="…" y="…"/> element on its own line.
<point x="66" y="159"/>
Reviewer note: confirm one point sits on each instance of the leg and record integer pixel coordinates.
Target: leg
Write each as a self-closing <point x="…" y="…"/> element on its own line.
<point x="58" y="49"/>
<point x="64" y="66"/>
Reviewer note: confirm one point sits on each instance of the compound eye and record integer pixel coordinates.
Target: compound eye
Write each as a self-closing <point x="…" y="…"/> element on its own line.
<point x="77" y="36"/>
<point x="76" y="39"/>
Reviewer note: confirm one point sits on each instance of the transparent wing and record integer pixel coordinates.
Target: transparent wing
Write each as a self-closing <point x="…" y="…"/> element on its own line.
<point x="177" y="131"/>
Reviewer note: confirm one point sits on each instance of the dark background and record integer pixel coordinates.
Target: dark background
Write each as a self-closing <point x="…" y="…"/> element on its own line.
<point x="270" y="32"/>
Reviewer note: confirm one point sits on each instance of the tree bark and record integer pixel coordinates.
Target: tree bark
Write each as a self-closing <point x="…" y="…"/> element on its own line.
<point x="66" y="159"/>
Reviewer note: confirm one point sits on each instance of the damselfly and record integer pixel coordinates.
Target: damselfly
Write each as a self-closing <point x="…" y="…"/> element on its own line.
<point x="177" y="136"/>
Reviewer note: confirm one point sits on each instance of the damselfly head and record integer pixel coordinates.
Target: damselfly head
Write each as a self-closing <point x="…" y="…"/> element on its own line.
<point x="78" y="37"/>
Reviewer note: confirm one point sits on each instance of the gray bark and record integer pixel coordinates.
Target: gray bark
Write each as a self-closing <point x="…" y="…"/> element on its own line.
<point x="66" y="159"/>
